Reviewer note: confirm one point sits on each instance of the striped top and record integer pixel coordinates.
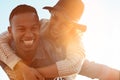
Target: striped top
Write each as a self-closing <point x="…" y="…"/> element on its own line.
<point x="71" y="48"/>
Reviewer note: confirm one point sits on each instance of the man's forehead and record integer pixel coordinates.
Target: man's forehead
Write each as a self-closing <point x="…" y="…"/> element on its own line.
<point x="24" y="16"/>
<point x="27" y="13"/>
<point x="24" y="19"/>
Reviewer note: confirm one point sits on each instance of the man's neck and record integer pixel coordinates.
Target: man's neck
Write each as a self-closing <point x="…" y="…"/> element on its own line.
<point x="26" y="56"/>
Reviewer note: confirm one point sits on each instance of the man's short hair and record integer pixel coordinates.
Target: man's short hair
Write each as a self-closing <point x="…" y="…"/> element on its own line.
<point x="23" y="8"/>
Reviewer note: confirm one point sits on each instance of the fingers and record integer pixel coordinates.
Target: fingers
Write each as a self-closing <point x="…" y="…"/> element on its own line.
<point x="29" y="76"/>
<point x="40" y="78"/>
<point x="24" y="72"/>
<point x="38" y="75"/>
<point x="18" y="76"/>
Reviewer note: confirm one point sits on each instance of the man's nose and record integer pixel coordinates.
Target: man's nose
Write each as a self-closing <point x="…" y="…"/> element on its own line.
<point x="28" y="34"/>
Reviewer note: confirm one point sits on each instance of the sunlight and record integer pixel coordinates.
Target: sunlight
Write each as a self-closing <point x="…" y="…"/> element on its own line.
<point x="101" y="39"/>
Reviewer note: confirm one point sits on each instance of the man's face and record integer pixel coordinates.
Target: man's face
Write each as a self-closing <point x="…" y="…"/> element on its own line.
<point x="25" y="31"/>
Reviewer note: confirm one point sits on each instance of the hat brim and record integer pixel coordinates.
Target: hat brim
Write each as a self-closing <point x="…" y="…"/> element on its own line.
<point x="48" y="8"/>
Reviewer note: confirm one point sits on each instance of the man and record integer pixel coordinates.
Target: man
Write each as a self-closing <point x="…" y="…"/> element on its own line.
<point x="56" y="53"/>
<point x="25" y="35"/>
<point x="86" y="63"/>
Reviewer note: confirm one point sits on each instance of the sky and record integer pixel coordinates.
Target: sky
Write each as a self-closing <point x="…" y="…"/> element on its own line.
<point x="101" y="39"/>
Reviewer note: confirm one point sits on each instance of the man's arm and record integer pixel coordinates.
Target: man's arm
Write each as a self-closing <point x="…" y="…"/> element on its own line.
<point x="25" y="72"/>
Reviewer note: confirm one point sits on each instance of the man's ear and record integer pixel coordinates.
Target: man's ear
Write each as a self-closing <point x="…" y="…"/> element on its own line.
<point x="10" y="34"/>
<point x="10" y="29"/>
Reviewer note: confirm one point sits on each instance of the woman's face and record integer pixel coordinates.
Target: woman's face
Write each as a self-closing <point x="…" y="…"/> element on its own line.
<point x="59" y="23"/>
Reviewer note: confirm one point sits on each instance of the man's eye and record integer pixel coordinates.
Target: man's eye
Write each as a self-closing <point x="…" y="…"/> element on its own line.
<point x="21" y="29"/>
<point x="35" y="27"/>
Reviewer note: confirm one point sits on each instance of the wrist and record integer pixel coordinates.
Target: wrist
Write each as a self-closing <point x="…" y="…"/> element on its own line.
<point x="19" y="64"/>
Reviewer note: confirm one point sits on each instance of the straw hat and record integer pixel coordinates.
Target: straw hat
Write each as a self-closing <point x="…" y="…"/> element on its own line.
<point x="72" y="8"/>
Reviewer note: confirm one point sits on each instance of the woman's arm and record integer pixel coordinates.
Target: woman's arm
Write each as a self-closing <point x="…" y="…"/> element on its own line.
<point x="7" y="54"/>
<point x="71" y="64"/>
<point x="75" y="56"/>
<point x="99" y="71"/>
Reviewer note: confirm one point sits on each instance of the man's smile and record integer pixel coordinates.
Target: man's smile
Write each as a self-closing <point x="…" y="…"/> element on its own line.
<point x="28" y="43"/>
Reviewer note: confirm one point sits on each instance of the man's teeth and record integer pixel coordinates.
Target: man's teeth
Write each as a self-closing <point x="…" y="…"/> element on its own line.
<point x="28" y="42"/>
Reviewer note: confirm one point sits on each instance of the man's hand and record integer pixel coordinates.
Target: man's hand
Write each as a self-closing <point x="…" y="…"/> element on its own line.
<point x="23" y="72"/>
